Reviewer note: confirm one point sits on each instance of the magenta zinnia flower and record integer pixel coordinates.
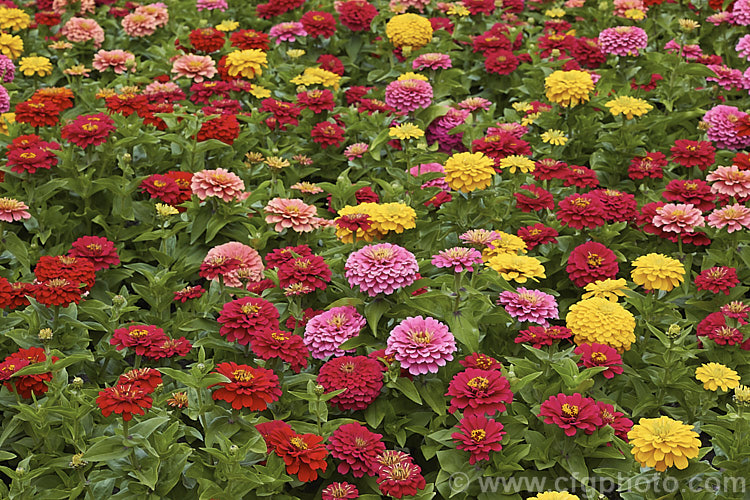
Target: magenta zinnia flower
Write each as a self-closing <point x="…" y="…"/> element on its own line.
<point x="479" y="392"/>
<point x="408" y="95"/>
<point x="291" y="213"/>
<point x="458" y="258"/>
<point x="220" y="183"/>
<point x="357" y="449"/>
<point x="722" y="121"/>
<point x="478" y="435"/>
<point x="381" y="268"/>
<point x="571" y="413"/>
<point x="529" y="305"/>
<point x="421" y="345"/>
<point x="678" y="218"/>
<point x="730" y="181"/>
<point x="734" y="217"/>
<point x="361" y="376"/>
<point x="287" y="32"/>
<point x="717" y="279"/>
<point x="623" y="40"/>
<point x="600" y="355"/>
<point x="325" y="332"/>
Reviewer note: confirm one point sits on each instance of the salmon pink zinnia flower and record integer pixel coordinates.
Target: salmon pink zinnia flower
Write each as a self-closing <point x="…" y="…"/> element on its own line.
<point x="221" y="183"/>
<point x="195" y="67"/>
<point x="291" y="213"/>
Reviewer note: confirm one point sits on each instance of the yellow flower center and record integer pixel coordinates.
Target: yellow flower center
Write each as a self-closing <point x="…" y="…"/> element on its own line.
<point x="598" y="357"/>
<point x="298" y="443"/>
<point x="138" y="333"/>
<point x="478" y="383"/>
<point x="421" y="337"/>
<point x="594" y="260"/>
<point x="570" y="411"/>
<point x="478" y="435"/>
<point x="250" y="308"/>
<point x="242" y="375"/>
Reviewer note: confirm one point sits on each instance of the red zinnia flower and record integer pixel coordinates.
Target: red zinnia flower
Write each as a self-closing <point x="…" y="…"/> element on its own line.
<point x="581" y="177"/>
<point x="96" y="249"/>
<point x="318" y="23"/>
<point x="312" y="271"/>
<point x="57" y="292"/>
<point x="356" y="15"/>
<point x="400" y="479"/>
<point x="478" y="435"/>
<point x="331" y="63"/>
<point x="15" y="295"/>
<point x="242" y="318"/>
<point x="366" y="195"/>
<point x="303" y="454"/>
<point x="78" y="271"/>
<point x="694" y="191"/>
<point x="161" y="187"/>
<point x="139" y="338"/>
<point x="549" y="168"/>
<point x="88" y="129"/>
<point x="500" y="61"/>
<point x="590" y="262"/>
<point x="327" y="134"/>
<point x="479" y="392"/>
<point x="27" y="153"/>
<point x="249" y="39"/>
<point x="126" y="400"/>
<point x="248" y="387"/>
<point x="355" y="94"/>
<point x="726" y="335"/>
<point x="168" y="348"/>
<point x="587" y="52"/>
<point x="539" y="336"/>
<point x="354" y="222"/>
<point x="581" y="210"/>
<point x="650" y="165"/>
<point x="189" y="292"/>
<point x="615" y="419"/>
<point x="266" y="430"/>
<point x="26" y="385"/>
<point x="618" y="206"/>
<point x="317" y="100"/>
<point x="269" y="344"/>
<point x="571" y="413"/>
<point x="600" y="355"/>
<point x="481" y="361"/>
<point x="536" y="235"/>
<point x="224" y="128"/>
<point x="147" y="379"/>
<point x="206" y="39"/>
<point x="537" y="199"/>
<point x="688" y="153"/>
<point x="357" y="448"/>
<point x="126" y="104"/>
<point x="284" y="112"/>
<point x="38" y="113"/>
<point x="281" y="256"/>
<point x="360" y="375"/>
<point x="343" y="490"/>
<point x="717" y="279"/>
<point x="498" y="144"/>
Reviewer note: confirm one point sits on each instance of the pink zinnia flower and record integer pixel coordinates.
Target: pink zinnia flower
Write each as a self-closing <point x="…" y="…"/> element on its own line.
<point x="357" y="449"/>
<point x="287" y="32"/>
<point x="81" y="29"/>
<point x="571" y="413"/>
<point x="139" y="25"/>
<point x="421" y="345"/>
<point x="432" y="60"/>
<point x="356" y="150"/>
<point x="722" y="121"/>
<point x="195" y="67"/>
<point x="13" y="210"/>
<point x="726" y="77"/>
<point x="479" y="392"/>
<point x="600" y="355"/>
<point x="212" y="5"/>
<point x="743" y="47"/>
<point x="741" y="12"/>
<point x="458" y="258"/>
<point x="475" y="104"/>
<point x="720" y="17"/>
<point x="340" y="491"/>
<point x="408" y="95"/>
<point x="480" y="237"/>
<point x="678" y="218"/>
<point x="325" y="332"/>
<point x="221" y="183"/>
<point x="529" y="305"/>
<point x="248" y="266"/>
<point x="623" y="40"/>
<point x="734" y="217"/>
<point x="478" y="435"/>
<point x="156" y="10"/>
<point x="118" y="60"/>
<point x="381" y="268"/>
<point x="730" y="181"/>
<point x="291" y="213"/>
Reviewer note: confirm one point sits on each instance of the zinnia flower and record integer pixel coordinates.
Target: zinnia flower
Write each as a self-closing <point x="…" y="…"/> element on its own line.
<point x="469" y="171"/>
<point x="479" y="392"/>
<point x="519" y="268"/>
<point x="362" y="377"/>
<point x="478" y="435"/>
<point x="458" y="259"/>
<point x="593" y="355"/>
<point x="571" y="413"/>
<point x="96" y="249"/>
<point x="534" y="306"/>
<point x="678" y="218"/>
<point x="126" y="400"/>
<point x="689" y="153"/>
<point x="409" y="30"/>
<point x="357" y="449"/>
<point x="579" y="211"/>
<point x="623" y="40"/>
<point x="13" y="210"/>
<point x="600" y="321"/>
<point x="628" y="106"/>
<point x="246" y="63"/>
<point x="421" y="345"/>
<point x="663" y="442"/>
<point x="730" y="181"/>
<point x="119" y="60"/>
<point x="717" y="279"/>
<point x="568" y="88"/>
<point x="610" y="289"/>
<point x="291" y="213"/>
<point x="555" y="495"/>
<point x="35" y="65"/>
<point x="248" y="387"/>
<point x="655" y="271"/>
<point x="221" y="183"/>
<point x="327" y="331"/>
<point x="269" y="344"/>
<point x="400" y="479"/>
<point x="303" y="454"/>
<point x="590" y="262"/>
<point x="381" y="268"/>
<point x="242" y="318"/>
<point x="87" y="130"/>
<point x="716" y="375"/>
<point x="194" y="67"/>
<point x="733" y="217"/>
<point x="138" y="338"/>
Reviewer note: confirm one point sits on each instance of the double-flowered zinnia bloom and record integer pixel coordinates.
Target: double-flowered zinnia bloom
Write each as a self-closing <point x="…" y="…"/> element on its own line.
<point x="598" y="320"/>
<point x="248" y="387"/>
<point x="663" y="442"/>
<point x="716" y="376"/>
<point x="421" y="345"/>
<point x="657" y="272"/>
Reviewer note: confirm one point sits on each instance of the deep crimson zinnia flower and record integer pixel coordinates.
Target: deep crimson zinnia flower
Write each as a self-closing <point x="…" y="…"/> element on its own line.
<point x="478" y="435"/>
<point x="571" y="413"/>
<point x="357" y="449"/>
<point x="591" y="262"/>
<point x="360" y="375"/>
<point x="479" y="392"/>
<point x="242" y="318"/>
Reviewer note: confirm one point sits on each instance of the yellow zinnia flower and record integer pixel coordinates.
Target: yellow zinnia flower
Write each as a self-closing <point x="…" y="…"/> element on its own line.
<point x="606" y="289"/>
<point x="635" y="14"/>
<point x="715" y="375"/>
<point x="519" y="162"/>
<point x="35" y="65"/>
<point x="259" y="91"/>
<point x="458" y="9"/>
<point x="409" y="30"/>
<point x="393" y="217"/>
<point x="628" y="106"/>
<point x="11" y="45"/>
<point x="410" y="75"/>
<point x="657" y="272"/>
<point x="317" y="76"/>
<point x="568" y="88"/>
<point x="554" y="137"/>
<point x="519" y="268"/>
<point x="5" y="120"/>
<point x="663" y="442"/>
<point x="246" y="63"/>
<point x="555" y="495"/>
<point x="406" y="131"/>
<point x="469" y="171"/>
<point x="742" y="394"/>
<point x="165" y="211"/>
<point x="554" y="12"/>
<point x="227" y="25"/>
<point x="597" y="320"/>
<point x="14" y="19"/>
<point x="507" y="243"/>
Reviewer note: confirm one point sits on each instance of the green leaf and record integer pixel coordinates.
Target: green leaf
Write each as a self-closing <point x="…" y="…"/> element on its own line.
<point x="407" y="388"/>
<point x="110" y="448"/>
<point x="147" y="427"/>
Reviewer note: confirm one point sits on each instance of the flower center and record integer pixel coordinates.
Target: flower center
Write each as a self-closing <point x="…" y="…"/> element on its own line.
<point x="598" y="357"/>
<point x="242" y="375"/>
<point x="138" y="333"/>
<point x="360" y="442"/>
<point x="250" y="309"/>
<point x="478" y="383"/>
<point x="581" y="202"/>
<point x="421" y="337"/>
<point x="279" y="336"/>
<point x="483" y="362"/>
<point x="478" y="435"/>
<point x="28" y="156"/>
<point x="337" y="320"/>
<point x="594" y="260"/>
<point x="570" y="411"/>
<point x="347" y="368"/>
<point x="381" y="254"/>
<point x="298" y="443"/>
<point x="399" y="472"/>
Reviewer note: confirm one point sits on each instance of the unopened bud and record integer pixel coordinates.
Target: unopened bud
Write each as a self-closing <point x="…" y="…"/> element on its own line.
<point x="20" y="471"/>
<point x="674" y="331"/>
<point x="77" y="382"/>
<point x="319" y="390"/>
<point x="233" y="449"/>
<point x="45" y="334"/>
<point x="77" y="461"/>
<point x="742" y="395"/>
<point x="127" y="157"/>
<point x="119" y="301"/>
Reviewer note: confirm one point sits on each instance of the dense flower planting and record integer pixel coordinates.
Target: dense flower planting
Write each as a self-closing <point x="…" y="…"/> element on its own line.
<point x="374" y="249"/>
